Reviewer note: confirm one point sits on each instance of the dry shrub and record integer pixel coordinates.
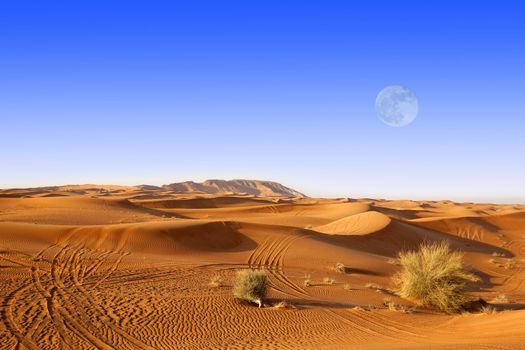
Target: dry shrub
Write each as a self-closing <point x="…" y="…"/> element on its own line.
<point x="488" y="310"/>
<point x="283" y="305"/>
<point x="347" y="286"/>
<point x="392" y="261"/>
<point x="434" y="276"/>
<point x="373" y="286"/>
<point x="216" y="281"/>
<point x="501" y="298"/>
<point x="307" y="282"/>
<point x="251" y="285"/>
<point x="340" y="267"/>
<point x="328" y="280"/>
<point x="510" y="264"/>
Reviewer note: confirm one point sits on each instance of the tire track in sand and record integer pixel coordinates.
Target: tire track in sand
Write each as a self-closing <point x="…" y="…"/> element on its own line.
<point x="270" y="255"/>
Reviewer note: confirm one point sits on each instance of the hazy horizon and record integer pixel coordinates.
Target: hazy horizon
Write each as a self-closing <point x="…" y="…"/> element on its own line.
<point x="164" y="92"/>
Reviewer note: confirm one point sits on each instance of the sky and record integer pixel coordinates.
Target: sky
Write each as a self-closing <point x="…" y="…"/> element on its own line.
<point x="127" y="92"/>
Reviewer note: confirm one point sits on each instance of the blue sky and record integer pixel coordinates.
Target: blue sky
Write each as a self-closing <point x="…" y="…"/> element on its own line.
<point x="156" y="92"/>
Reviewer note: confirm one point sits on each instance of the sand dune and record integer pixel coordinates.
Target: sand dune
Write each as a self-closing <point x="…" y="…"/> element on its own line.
<point x="115" y="267"/>
<point x="358" y="224"/>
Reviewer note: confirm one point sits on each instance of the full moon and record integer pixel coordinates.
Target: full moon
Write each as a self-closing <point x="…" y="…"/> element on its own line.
<point x="397" y="105"/>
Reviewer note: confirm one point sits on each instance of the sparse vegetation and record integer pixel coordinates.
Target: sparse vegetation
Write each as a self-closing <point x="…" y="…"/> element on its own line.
<point x="373" y="286"/>
<point x="389" y="304"/>
<point x="396" y="307"/>
<point x="488" y="309"/>
<point x="510" y="264"/>
<point x="283" y="305"/>
<point x="340" y="267"/>
<point x="434" y="276"/>
<point x="496" y="254"/>
<point x="393" y="261"/>
<point x="501" y="298"/>
<point x="216" y="281"/>
<point x="307" y="280"/>
<point x="328" y="280"/>
<point x="347" y="286"/>
<point x="250" y="285"/>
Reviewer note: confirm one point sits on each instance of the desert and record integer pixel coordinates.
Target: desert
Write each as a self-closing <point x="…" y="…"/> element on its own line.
<point x="147" y="267"/>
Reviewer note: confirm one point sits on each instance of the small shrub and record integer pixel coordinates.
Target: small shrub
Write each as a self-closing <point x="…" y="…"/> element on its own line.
<point x="489" y="310"/>
<point x="328" y="280"/>
<point x="340" y="267"/>
<point x="510" y="264"/>
<point x="389" y="303"/>
<point x="434" y="276"/>
<point x="496" y="254"/>
<point x="393" y="261"/>
<point x="307" y="282"/>
<point x="216" y="281"/>
<point x="283" y="305"/>
<point x="347" y="286"/>
<point x="373" y="286"/>
<point x="502" y="298"/>
<point x="250" y="285"/>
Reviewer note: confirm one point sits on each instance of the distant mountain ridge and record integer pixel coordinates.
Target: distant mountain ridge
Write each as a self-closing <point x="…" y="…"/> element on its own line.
<point x="237" y="186"/>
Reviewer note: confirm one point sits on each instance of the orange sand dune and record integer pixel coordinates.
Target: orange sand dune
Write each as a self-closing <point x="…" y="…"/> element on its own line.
<point x="115" y="267"/>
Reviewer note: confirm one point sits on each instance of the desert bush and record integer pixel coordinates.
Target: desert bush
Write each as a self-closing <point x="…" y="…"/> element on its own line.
<point x="510" y="264"/>
<point x="501" y="298"/>
<point x="216" y="281"/>
<point x="347" y="286"/>
<point x="340" y="267"/>
<point x="251" y="285"/>
<point x="392" y="261"/>
<point x="489" y="310"/>
<point x="307" y="282"/>
<point x="372" y="286"/>
<point x="434" y="276"/>
<point x="328" y="280"/>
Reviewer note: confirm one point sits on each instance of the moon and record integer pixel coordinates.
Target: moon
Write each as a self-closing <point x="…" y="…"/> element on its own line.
<point x="397" y="105"/>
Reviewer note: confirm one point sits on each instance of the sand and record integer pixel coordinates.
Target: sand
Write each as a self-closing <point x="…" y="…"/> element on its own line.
<point x="129" y="268"/>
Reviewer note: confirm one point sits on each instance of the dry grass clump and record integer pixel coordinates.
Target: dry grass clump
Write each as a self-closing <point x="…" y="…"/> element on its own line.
<point x="395" y="307"/>
<point x="307" y="280"/>
<point x="347" y="286"/>
<point x="216" y="281"/>
<point x="434" y="276"/>
<point x="389" y="304"/>
<point x="251" y="285"/>
<point x="393" y="261"/>
<point x="501" y="298"/>
<point x="340" y="267"/>
<point x="373" y="286"/>
<point x="488" y="310"/>
<point x="510" y="264"/>
<point x="329" y="280"/>
<point x="283" y="305"/>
